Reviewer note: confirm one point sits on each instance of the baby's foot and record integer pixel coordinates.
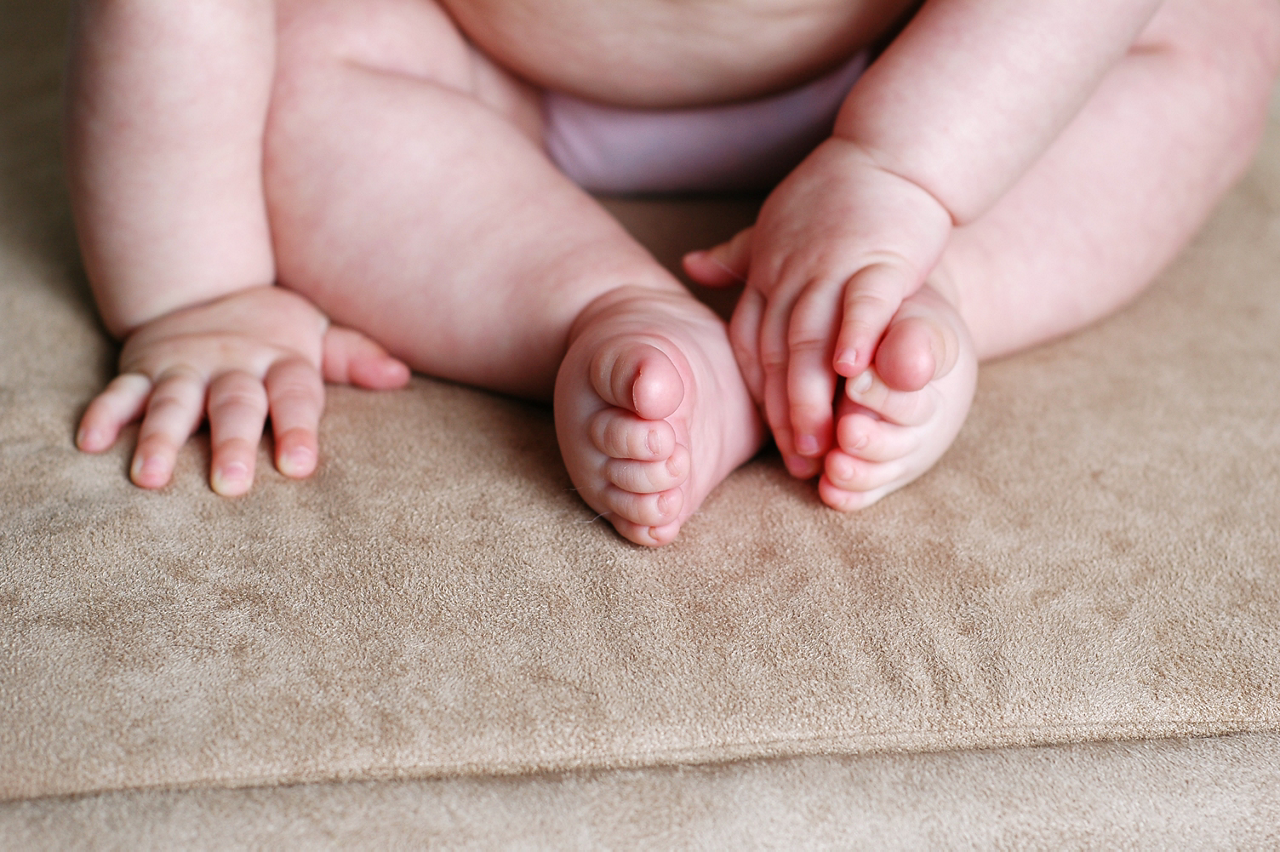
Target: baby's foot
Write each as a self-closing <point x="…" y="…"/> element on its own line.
<point x="651" y="410"/>
<point x="898" y="418"/>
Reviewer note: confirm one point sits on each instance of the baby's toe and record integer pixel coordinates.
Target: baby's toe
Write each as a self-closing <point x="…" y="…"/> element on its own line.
<point x="649" y="536"/>
<point x="921" y="344"/>
<point x="620" y="434"/>
<point x="646" y="510"/>
<point x="863" y="434"/>
<point x="904" y="408"/>
<point x="849" y="473"/>
<point x="843" y="500"/>
<point x="638" y="377"/>
<point x="908" y="356"/>
<point x="649" y="477"/>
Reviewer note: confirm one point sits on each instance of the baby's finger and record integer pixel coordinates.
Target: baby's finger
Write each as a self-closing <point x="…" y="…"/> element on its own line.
<point x="811" y="382"/>
<point x="871" y="298"/>
<point x="174" y="412"/>
<point x="121" y="401"/>
<point x="744" y="335"/>
<point x="295" y="396"/>
<point x="721" y="265"/>
<point x="352" y="358"/>
<point x="237" y="413"/>
<point x="778" y="415"/>
<point x="904" y="408"/>
<point x="774" y="364"/>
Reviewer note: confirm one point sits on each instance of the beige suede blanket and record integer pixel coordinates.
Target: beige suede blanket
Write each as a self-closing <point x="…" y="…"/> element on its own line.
<point x="1097" y="558"/>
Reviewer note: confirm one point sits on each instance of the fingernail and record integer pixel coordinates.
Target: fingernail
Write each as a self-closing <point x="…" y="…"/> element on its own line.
<point x="148" y="470"/>
<point x="297" y="462"/>
<point x="87" y="439"/>
<point x="230" y="478"/>
<point x="807" y="445"/>
<point x="862" y="384"/>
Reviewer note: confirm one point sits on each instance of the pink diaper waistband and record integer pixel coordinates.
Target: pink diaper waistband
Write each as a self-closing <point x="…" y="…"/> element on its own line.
<point x="749" y="145"/>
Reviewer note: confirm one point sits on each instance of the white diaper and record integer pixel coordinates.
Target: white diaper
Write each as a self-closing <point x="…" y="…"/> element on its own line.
<point x="749" y="145"/>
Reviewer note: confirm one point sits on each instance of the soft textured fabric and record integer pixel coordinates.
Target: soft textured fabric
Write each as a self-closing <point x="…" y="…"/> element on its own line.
<point x="1198" y="795"/>
<point x="1096" y="560"/>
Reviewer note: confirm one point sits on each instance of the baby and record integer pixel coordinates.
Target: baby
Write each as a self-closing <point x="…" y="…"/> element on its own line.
<point x="274" y="193"/>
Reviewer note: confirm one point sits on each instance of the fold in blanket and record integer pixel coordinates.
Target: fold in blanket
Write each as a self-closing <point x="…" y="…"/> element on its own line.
<point x="1094" y="560"/>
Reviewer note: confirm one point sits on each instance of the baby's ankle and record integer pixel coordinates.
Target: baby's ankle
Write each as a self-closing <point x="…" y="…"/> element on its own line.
<point x="637" y="298"/>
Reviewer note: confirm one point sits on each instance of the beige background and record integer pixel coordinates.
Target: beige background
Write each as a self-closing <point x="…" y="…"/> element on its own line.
<point x="1094" y="562"/>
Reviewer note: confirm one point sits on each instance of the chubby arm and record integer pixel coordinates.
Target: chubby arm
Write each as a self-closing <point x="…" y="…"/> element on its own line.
<point x="963" y="101"/>
<point x="167" y="105"/>
<point x="974" y="91"/>
<point x="166" y="108"/>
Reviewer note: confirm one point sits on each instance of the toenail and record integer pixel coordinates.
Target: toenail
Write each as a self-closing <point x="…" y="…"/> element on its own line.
<point x="843" y="469"/>
<point x="807" y="445"/>
<point x="862" y="384"/>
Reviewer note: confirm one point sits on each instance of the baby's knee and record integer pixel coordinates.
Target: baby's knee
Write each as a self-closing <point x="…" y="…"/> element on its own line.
<point x="1230" y="51"/>
<point x="1234" y="41"/>
<point x="1258" y="23"/>
<point x="1247" y="61"/>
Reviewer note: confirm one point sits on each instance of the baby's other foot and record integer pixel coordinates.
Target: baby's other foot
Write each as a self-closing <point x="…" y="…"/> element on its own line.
<point x="898" y="418"/>
<point x="651" y="410"/>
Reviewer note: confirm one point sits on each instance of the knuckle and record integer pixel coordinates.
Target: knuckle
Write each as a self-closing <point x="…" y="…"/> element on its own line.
<point x="870" y="302"/>
<point x="293" y="394"/>
<point x="808" y="341"/>
<point x="176" y="374"/>
<point x="780" y="425"/>
<point x="808" y="416"/>
<point x="743" y="354"/>
<point x="155" y="444"/>
<point x="239" y="395"/>
<point x="166" y="402"/>
<point x="774" y="356"/>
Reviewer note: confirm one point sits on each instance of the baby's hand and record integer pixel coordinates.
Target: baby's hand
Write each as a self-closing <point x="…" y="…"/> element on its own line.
<point x="837" y="247"/>
<point x="254" y="353"/>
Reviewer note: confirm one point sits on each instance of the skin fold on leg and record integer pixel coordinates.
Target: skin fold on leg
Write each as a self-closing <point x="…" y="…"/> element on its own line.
<point x="406" y="204"/>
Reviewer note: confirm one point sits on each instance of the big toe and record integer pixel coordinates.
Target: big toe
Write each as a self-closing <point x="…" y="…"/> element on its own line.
<point x="912" y="353"/>
<point x="637" y="376"/>
<point x="922" y="343"/>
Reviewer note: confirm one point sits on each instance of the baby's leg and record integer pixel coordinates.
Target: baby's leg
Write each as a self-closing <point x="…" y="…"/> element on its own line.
<point x="411" y="200"/>
<point x="1169" y="130"/>
<point x="1116" y="197"/>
